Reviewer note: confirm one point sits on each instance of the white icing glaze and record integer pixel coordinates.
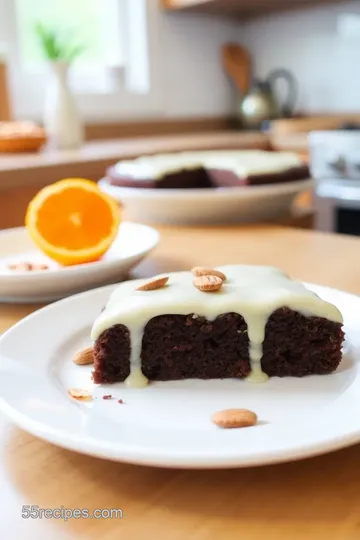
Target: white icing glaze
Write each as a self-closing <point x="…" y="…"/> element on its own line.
<point x="244" y="163"/>
<point x="254" y="292"/>
<point x="136" y="379"/>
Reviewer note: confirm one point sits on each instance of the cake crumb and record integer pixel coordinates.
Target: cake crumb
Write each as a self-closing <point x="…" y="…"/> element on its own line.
<point x="120" y="401"/>
<point x="107" y="396"/>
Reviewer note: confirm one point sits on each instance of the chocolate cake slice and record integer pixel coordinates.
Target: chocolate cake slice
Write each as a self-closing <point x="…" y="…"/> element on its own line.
<point x="197" y="170"/>
<point x="259" y="324"/>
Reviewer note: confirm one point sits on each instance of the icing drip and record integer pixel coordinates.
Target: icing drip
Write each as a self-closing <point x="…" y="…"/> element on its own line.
<point x="136" y="379"/>
<point x="254" y="292"/>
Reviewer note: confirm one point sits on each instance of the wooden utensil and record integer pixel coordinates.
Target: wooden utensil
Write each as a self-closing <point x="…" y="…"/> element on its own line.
<point x="5" y="111"/>
<point x="237" y="63"/>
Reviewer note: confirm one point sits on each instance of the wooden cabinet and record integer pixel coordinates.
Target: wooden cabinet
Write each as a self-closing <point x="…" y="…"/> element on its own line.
<point x="241" y="8"/>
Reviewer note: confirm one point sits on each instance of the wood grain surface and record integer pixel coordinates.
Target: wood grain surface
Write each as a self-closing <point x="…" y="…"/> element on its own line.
<point x="315" y="499"/>
<point x="154" y="126"/>
<point x="325" y="122"/>
<point x="5" y="108"/>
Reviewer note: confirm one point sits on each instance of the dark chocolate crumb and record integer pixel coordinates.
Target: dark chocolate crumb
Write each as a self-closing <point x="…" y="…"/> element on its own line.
<point x="107" y="396"/>
<point x="120" y="401"/>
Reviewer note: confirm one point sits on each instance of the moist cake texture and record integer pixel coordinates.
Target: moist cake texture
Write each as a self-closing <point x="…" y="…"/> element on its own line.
<point x="259" y="324"/>
<point x="206" y="169"/>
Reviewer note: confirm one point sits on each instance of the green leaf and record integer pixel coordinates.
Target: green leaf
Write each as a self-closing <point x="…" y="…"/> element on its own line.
<point x="53" y="47"/>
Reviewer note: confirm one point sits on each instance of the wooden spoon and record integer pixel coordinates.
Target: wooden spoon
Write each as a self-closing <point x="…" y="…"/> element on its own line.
<point x="237" y="63"/>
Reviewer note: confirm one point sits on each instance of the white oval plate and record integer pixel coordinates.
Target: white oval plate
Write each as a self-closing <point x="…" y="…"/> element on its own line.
<point x="168" y="424"/>
<point x="133" y="243"/>
<point x="207" y="206"/>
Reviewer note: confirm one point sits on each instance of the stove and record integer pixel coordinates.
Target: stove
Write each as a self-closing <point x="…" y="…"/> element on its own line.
<point x="335" y="166"/>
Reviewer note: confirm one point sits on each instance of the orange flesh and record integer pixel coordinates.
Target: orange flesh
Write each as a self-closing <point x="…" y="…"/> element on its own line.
<point x="85" y="219"/>
<point x="72" y="221"/>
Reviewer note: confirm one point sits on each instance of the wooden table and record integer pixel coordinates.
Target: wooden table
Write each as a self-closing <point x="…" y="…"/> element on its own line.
<point x="316" y="499"/>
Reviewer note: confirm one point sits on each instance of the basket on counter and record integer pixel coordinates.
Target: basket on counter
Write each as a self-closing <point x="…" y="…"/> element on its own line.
<point x="18" y="137"/>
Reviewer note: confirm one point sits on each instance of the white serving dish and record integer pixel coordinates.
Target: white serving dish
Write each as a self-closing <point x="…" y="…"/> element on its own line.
<point x="132" y="244"/>
<point x="207" y="206"/>
<point x="169" y="424"/>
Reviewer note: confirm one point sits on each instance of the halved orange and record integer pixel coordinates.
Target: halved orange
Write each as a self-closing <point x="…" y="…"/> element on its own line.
<point x="72" y="221"/>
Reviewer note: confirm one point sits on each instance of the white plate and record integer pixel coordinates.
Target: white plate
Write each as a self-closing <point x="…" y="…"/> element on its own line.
<point x="217" y="205"/>
<point x="168" y="424"/>
<point x="132" y="244"/>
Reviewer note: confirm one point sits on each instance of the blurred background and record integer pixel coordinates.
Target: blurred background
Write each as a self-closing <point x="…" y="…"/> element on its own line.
<point x="161" y="58"/>
<point x="84" y="84"/>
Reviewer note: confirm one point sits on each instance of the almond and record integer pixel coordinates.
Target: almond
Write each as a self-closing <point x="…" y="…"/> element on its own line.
<point x="234" y="418"/>
<point x="40" y="266"/>
<point x="21" y="266"/>
<point x="152" y="285"/>
<point x="80" y="394"/>
<point x="201" y="271"/>
<point x="208" y="283"/>
<point x="27" y="267"/>
<point x="83" y="357"/>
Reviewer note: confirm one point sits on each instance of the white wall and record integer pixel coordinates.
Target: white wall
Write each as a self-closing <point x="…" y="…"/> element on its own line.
<point x="189" y="70"/>
<point x="307" y="43"/>
<point x="187" y="78"/>
<point x="185" y="66"/>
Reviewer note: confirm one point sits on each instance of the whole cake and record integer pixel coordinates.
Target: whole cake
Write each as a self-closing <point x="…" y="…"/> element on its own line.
<point x="249" y="322"/>
<point x="208" y="169"/>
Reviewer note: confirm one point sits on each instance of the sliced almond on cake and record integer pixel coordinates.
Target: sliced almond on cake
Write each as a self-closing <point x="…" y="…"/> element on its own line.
<point x="153" y="284"/>
<point x="234" y="418"/>
<point x="202" y="271"/>
<point x="208" y="283"/>
<point x="84" y="357"/>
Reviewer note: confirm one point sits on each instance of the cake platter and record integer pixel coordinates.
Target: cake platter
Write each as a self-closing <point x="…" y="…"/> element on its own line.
<point x="169" y="424"/>
<point x="208" y="205"/>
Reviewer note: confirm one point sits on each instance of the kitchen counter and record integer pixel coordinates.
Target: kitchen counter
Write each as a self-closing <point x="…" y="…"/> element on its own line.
<point x="23" y="175"/>
<point x="92" y="159"/>
<point x="316" y="499"/>
<point x="290" y="142"/>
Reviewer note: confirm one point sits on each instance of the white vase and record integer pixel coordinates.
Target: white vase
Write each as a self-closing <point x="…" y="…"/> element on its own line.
<point x="61" y="117"/>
